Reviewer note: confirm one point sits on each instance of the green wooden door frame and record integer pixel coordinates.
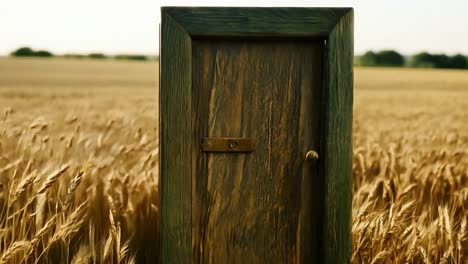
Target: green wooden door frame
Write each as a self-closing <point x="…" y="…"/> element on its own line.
<point x="179" y="26"/>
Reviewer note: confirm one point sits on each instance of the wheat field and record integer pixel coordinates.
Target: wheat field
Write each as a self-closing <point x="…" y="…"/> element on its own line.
<point x="79" y="162"/>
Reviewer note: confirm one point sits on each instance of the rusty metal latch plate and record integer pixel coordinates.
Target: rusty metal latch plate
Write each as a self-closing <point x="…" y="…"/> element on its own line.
<point x="227" y="144"/>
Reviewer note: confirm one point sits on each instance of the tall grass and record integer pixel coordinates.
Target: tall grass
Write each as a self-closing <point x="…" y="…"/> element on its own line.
<point x="79" y="185"/>
<point x="58" y="207"/>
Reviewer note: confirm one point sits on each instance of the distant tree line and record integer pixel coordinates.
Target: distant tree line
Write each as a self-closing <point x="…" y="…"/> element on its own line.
<point x="443" y="61"/>
<point x="28" y="52"/>
<point x="421" y="60"/>
<point x="389" y="58"/>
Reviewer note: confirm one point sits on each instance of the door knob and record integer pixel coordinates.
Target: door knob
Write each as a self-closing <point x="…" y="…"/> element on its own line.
<point x="311" y="155"/>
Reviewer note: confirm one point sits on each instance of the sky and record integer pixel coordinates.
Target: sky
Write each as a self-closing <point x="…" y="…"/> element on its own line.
<point x="131" y="26"/>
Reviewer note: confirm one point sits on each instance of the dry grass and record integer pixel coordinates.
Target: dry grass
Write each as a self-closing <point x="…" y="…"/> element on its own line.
<point x="410" y="168"/>
<point x="79" y="153"/>
<point x="77" y="165"/>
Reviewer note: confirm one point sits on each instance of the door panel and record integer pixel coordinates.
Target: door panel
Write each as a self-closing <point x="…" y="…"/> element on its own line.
<point x="263" y="206"/>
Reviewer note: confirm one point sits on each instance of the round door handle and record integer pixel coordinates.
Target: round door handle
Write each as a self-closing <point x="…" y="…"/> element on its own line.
<point x="312" y="155"/>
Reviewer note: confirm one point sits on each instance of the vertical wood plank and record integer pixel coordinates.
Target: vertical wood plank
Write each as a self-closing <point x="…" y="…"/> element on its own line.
<point x="312" y="185"/>
<point x="175" y="142"/>
<point x="248" y="208"/>
<point x="337" y="142"/>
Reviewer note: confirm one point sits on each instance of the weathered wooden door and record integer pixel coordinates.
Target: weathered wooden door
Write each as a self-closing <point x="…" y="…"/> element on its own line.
<point x="264" y="205"/>
<point x="245" y="93"/>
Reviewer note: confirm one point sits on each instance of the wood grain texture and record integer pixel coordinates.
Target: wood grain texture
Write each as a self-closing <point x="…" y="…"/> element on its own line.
<point x="330" y="204"/>
<point x="337" y="143"/>
<point x="255" y="21"/>
<point x="175" y="142"/>
<point x="227" y="144"/>
<point x="258" y="207"/>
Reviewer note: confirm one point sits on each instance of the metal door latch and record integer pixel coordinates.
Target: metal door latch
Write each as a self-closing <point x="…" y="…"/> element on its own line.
<point x="227" y="144"/>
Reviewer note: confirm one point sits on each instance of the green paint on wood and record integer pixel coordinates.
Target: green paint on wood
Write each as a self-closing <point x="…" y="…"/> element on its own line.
<point x="175" y="142"/>
<point x="337" y="142"/>
<point x="255" y="21"/>
<point x="179" y="26"/>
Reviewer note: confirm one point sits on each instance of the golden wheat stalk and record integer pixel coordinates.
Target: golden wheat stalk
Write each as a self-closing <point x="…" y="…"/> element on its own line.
<point x="14" y="249"/>
<point x="73" y="223"/>
<point x="24" y="185"/>
<point x="73" y="185"/>
<point x="53" y="178"/>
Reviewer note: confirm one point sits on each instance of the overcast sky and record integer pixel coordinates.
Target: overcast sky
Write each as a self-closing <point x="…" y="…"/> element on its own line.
<point x="131" y="26"/>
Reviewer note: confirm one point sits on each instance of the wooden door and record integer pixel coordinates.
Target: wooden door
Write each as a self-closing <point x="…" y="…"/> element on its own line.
<point x="265" y="206"/>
